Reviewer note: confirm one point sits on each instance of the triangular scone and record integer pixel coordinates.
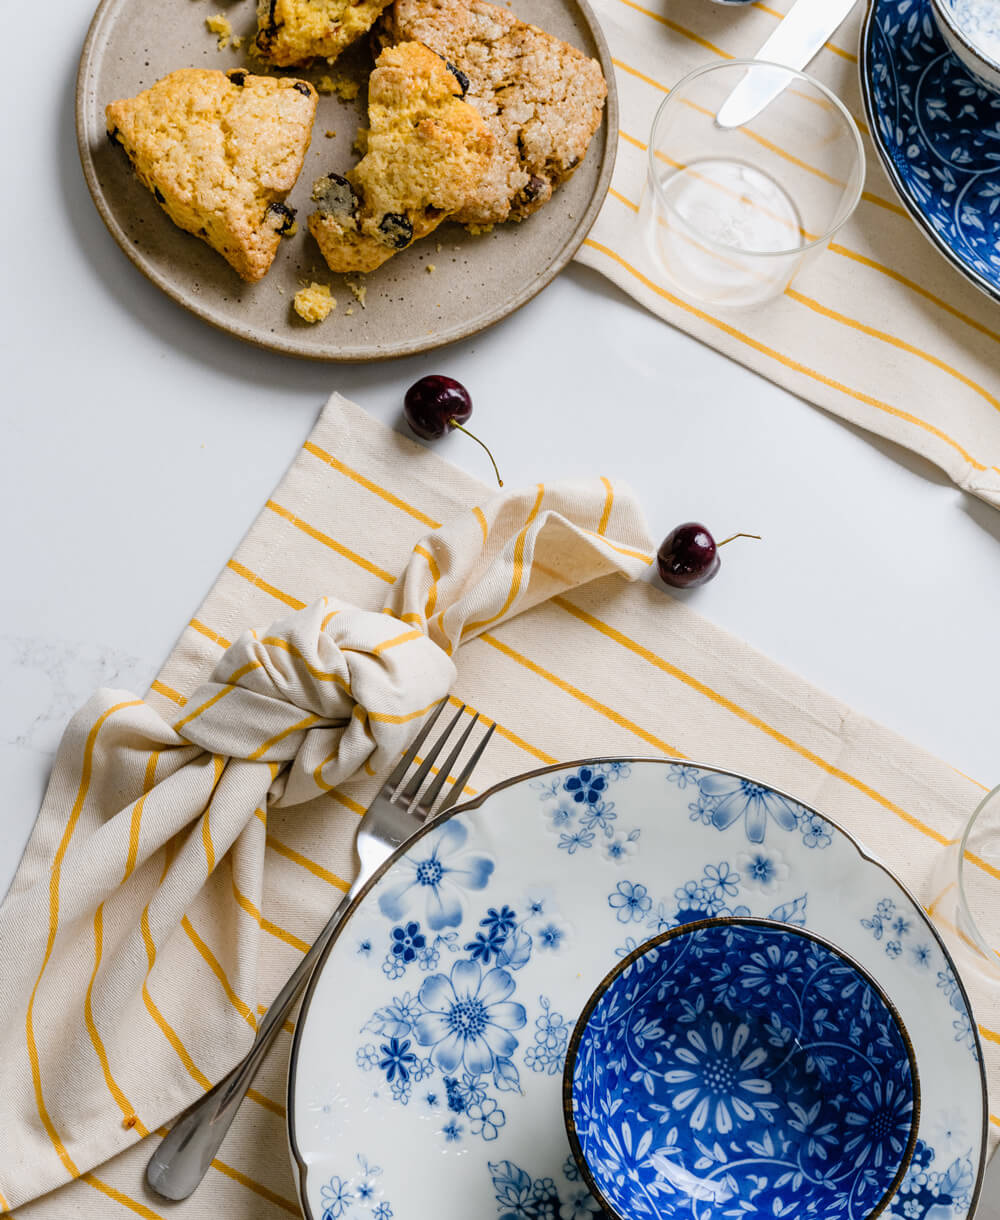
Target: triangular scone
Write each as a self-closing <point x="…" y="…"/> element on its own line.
<point x="541" y="98"/>
<point x="221" y="152"/>
<point x="293" y="33"/>
<point x="426" y="153"/>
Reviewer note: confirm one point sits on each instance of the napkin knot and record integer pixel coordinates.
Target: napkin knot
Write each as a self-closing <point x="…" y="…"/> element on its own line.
<point x="329" y="689"/>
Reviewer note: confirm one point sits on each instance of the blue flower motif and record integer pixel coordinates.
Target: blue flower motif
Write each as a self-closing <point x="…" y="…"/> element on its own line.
<point x="586" y="786"/>
<point x="550" y="936"/>
<point x="815" y="832"/>
<point x="742" y="800"/>
<point x="721" y="1086"/>
<point x="485" y="948"/>
<point x="405" y="941"/>
<point x="366" y="1057"/>
<point x="721" y="881"/>
<point x="600" y="816"/>
<point x="882" y="1119"/>
<point x="336" y="1198"/>
<point x="382" y="1212"/>
<point x="364" y="948"/>
<point x="631" y="902"/>
<point x="499" y="923"/>
<point x="468" y="1018"/>
<point x="452" y="1131"/>
<point x="579" y="839"/>
<point x="486" y="1119"/>
<point x="397" y="1058"/>
<point x="435" y="876"/>
<point x="683" y="776"/>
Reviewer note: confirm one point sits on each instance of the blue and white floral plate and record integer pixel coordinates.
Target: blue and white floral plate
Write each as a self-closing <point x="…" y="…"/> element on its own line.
<point x="937" y="130"/>
<point x="426" y="1070"/>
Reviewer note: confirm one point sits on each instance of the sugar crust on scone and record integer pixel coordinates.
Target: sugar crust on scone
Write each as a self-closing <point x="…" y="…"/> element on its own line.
<point x="426" y="152"/>
<point x="220" y="151"/>
<point x="541" y="98"/>
<point x="293" y="33"/>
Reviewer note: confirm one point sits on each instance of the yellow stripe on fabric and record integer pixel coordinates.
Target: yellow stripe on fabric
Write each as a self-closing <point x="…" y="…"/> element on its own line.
<point x="749" y="717"/>
<point x="581" y="696"/>
<point x="125" y="1200"/>
<point x="405" y="638"/>
<point x="404" y="718"/>
<point x="371" y="486"/>
<point x="327" y="541"/>
<point x="206" y="821"/>
<point x="515" y="586"/>
<point x="287" y="1025"/>
<point x="265" y="1192"/>
<point x="266" y="925"/>
<point x="126" y="1107"/>
<point x="274" y="641"/>
<point x="480" y="516"/>
<point x="794" y="365"/>
<point x="136" y="824"/>
<point x="305" y="723"/>
<point x="260" y="583"/>
<point x="167" y="692"/>
<point x="773" y="12"/>
<point x="910" y="348"/>
<point x="435" y="572"/>
<point x="54" y="882"/>
<point x="203" y="707"/>
<point x="679" y="29"/>
<point x="994" y="1119"/>
<point x="506" y="733"/>
<point x="266" y="1102"/>
<point x="609" y="500"/>
<point x="311" y="866"/>
<point x="622" y="550"/>
<point x="215" y="966"/>
<point x="209" y="634"/>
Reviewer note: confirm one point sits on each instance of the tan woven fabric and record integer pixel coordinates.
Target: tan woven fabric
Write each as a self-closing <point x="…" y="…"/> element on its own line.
<point x="880" y="329"/>
<point x="154" y="967"/>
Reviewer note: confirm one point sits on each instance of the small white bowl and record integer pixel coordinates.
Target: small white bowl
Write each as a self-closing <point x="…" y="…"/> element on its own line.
<point x="971" y="28"/>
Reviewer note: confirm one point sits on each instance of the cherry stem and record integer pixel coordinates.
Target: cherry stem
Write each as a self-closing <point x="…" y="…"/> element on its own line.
<point x="732" y="536"/>
<point x="455" y="424"/>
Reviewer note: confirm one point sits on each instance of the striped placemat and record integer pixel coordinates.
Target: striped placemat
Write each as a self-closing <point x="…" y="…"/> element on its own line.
<point x="880" y="329"/>
<point x="612" y="668"/>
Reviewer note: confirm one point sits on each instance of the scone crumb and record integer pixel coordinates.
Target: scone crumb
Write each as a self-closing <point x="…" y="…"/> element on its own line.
<point x="237" y="42"/>
<point x="348" y="311"/>
<point x="438" y="247"/>
<point x="430" y="268"/>
<point x="292" y="229"/>
<point x="315" y="303"/>
<point x="329" y="134"/>
<point x="221" y="28"/>
<point x="359" y="288"/>
<point x="346" y="88"/>
<point x="479" y="230"/>
<point x="132" y="1119"/>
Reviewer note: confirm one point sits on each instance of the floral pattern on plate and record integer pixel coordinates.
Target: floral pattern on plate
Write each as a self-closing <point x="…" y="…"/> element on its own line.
<point x="434" y="1035"/>
<point x="937" y="129"/>
<point x="743" y="1070"/>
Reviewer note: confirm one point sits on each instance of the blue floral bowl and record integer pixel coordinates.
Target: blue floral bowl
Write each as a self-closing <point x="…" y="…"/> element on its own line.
<point x="739" y="1068"/>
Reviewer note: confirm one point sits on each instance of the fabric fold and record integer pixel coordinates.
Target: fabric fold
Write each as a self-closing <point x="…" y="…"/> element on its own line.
<point x="130" y="938"/>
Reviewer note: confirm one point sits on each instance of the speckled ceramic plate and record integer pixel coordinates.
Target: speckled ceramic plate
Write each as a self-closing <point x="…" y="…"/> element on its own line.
<point x="426" y="1072"/>
<point x="476" y="281"/>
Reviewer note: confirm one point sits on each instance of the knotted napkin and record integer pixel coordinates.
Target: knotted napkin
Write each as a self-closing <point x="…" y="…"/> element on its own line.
<point x="150" y="829"/>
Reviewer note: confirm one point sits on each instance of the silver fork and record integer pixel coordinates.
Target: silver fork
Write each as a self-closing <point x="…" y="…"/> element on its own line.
<point x="183" y="1157"/>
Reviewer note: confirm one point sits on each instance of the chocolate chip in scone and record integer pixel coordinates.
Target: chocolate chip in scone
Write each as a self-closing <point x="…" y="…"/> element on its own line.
<point x="281" y="213"/>
<point x="237" y="75"/>
<point x="533" y="188"/>
<point x="335" y="196"/>
<point x="303" y="88"/>
<point x="396" y="230"/>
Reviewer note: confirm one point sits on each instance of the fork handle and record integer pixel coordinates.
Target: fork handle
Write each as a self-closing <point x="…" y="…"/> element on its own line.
<point x="187" y="1150"/>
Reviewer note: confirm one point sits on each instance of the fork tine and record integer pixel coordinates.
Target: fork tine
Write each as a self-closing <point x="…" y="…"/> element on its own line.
<point x="470" y="766"/>
<point x="399" y="771"/>
<point x="438" y="782"/>
<point x="409" y="793"/>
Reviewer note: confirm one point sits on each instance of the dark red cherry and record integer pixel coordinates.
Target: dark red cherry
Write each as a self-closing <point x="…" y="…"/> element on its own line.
<point x="435" y="405"/>
<point x="689" y="555"/>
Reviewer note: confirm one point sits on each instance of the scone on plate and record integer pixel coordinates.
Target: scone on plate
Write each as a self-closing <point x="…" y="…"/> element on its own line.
<point x="427" y="152"/>
<point x="541" y="98"/>
<point x="220" y="151"/>
<point x="292" y="33"/>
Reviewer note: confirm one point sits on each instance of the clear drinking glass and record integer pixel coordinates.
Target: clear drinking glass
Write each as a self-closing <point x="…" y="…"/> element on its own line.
<point x="966" y="901"/>
<point x="731" y="214"/>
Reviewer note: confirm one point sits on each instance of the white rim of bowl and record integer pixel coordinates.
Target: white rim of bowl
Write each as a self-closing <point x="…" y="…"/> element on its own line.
<point x="945" y="15"/>
<point x="793" y="74"/>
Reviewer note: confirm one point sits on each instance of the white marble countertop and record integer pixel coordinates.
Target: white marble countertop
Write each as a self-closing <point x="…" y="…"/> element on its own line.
<point x="139" y="444"/>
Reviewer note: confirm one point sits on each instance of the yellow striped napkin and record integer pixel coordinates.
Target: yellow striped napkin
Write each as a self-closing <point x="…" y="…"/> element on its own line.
<point x="880" y="329"/>
<point x="606" y="667"/>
